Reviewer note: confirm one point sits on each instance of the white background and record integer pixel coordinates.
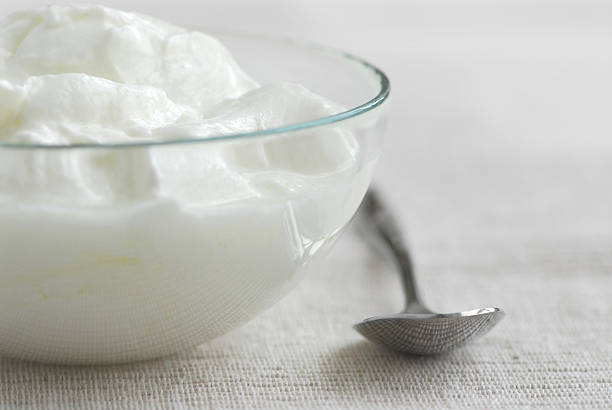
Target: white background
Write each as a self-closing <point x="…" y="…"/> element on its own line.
<point x="510" y="79"/>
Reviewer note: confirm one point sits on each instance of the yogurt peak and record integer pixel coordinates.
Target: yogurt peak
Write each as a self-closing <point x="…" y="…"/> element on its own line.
<point x="91" y="74"/>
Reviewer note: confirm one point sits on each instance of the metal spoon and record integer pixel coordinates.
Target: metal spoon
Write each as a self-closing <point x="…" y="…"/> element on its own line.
<point x="416" y="329"/>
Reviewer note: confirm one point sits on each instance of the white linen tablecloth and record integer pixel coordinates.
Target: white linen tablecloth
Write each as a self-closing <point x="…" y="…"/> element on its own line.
<point x="499" y="165"/>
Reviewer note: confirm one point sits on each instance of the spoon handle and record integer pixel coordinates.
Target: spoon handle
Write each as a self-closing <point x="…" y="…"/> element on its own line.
<point x="382" y="223"/>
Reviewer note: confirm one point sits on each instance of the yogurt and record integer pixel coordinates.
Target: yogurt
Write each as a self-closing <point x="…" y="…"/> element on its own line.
<point x="112" y="254"/>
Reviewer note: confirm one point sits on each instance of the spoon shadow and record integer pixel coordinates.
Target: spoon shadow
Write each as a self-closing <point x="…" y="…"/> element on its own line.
<point x="376" y="373"/>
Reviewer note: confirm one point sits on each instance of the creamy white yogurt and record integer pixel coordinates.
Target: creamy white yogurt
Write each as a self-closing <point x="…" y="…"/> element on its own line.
<point x="123" y="254"/>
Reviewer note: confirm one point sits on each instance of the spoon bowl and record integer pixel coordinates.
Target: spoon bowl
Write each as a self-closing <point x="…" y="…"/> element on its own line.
<point x="429" y="333"/>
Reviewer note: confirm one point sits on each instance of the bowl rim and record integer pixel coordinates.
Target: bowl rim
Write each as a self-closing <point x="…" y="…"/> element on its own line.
<point x="377" y="100"/>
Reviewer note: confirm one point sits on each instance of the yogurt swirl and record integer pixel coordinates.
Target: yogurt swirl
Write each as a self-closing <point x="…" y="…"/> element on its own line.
<point x="91" y="74"/>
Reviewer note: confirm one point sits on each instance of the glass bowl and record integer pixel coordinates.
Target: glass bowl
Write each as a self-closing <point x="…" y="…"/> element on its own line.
<point x="130" y="278"/>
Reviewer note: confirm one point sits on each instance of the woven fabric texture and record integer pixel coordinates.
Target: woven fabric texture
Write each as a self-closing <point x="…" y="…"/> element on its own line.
<point x="551" y="274"/>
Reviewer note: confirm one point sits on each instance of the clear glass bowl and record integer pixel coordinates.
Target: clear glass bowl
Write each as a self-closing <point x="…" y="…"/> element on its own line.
<point x="140" y="277"/>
